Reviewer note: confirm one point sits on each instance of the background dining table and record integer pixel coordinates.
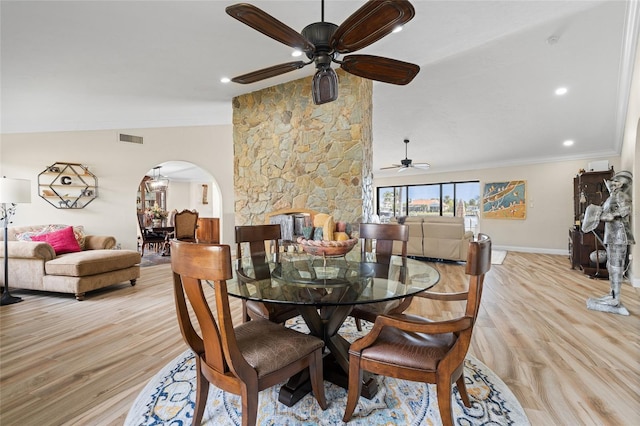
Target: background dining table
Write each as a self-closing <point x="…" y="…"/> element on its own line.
<point x="166" y="231"/>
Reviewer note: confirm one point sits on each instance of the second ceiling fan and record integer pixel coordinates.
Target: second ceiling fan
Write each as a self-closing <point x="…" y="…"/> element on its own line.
<point x="407" y="162"/>
<point x="323" y="42"/>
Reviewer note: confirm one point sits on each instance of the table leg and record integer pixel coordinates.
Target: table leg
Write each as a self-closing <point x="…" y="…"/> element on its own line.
<point x="325" y="325"/>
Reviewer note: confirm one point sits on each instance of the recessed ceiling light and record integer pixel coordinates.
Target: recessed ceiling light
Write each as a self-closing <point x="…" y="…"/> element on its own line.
<point x="296" y="53"/>
<point x="568" y="142"/>
<point x="397" y="29"/>
<point x="225" y="80"/>
<point x="561" y="91"/>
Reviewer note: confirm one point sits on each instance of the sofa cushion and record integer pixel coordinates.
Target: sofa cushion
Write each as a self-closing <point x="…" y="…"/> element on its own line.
<point x="91" y="262"/>
<point x="62" y="241"/>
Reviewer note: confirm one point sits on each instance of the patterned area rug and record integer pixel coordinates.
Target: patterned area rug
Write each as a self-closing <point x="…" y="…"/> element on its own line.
<point x="169" y="399"/>
<point x="152" y="259"/>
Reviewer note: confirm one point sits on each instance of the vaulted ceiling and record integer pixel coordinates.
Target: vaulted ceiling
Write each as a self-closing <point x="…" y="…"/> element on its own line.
<point x="484" y="96"/>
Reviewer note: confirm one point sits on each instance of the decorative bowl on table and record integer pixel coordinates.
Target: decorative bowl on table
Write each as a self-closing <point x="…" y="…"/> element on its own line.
<point x="327" y="248"/>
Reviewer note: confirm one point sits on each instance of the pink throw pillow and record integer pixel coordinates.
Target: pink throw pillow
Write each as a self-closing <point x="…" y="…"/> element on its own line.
<point x="62" y="241"/>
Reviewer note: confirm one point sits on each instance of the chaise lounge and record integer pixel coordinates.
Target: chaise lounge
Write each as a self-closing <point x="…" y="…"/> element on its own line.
<point x="35" y="265"/>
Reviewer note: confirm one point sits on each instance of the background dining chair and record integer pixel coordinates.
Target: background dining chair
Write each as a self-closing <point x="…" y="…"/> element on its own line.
<point x="243" y="360"/>
<point x="185" y="224"/>
<point x="413" y="348"/>
<point x="148" y="238"/>
<point x="258" y="242"/>
<point x="382" y="236"/>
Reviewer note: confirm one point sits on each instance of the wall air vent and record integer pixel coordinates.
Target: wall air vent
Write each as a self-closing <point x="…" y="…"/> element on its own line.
<point x="129" y="138"/>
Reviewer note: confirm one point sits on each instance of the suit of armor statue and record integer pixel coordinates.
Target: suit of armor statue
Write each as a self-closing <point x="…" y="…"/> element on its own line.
<point x="615" y="214"/>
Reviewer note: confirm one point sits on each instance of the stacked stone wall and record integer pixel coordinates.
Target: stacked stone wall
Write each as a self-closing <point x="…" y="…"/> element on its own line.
<point x="291" y="153"/>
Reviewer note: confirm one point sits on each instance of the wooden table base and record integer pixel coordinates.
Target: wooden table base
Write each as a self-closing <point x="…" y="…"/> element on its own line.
<point x="325" y="324"/>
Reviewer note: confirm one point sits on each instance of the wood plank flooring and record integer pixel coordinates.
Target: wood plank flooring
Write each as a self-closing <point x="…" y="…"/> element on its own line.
<point x="64" y="362"/>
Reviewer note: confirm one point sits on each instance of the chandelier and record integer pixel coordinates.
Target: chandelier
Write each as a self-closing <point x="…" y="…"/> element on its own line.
<point x="157" y="183"/>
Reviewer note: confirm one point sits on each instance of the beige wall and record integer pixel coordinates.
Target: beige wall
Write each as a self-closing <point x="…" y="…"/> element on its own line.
<point x="549" y="202"/>
<point x="630" y="155"/>
<point x="119" y="167"/>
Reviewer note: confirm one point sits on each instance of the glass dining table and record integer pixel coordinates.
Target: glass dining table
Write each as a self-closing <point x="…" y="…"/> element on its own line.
<point x="324" y="290"/>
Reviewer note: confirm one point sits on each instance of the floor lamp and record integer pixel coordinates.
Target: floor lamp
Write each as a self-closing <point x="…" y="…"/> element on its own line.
<point x="12" y="191"/>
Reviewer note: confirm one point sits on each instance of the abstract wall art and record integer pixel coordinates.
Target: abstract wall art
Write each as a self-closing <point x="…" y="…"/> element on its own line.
<point x="504" y="200"/>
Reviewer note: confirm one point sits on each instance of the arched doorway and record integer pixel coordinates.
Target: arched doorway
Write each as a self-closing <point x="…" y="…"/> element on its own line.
<point x="176" y="186"/>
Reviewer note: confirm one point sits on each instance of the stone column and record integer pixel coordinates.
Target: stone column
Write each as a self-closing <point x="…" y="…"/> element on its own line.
<point x="291" y="153"/>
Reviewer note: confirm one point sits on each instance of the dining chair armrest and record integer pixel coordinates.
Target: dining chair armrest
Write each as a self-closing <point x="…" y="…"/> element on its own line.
<point x="415" y="324"/>
<point x="244" y="278"/>
<point x="262" y="285"/>
<point x="447" y="297"/>
<point x="411" y="324"/>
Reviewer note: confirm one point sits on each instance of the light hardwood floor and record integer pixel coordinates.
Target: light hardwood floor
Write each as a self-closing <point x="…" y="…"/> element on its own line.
<point x="64" y="362"/>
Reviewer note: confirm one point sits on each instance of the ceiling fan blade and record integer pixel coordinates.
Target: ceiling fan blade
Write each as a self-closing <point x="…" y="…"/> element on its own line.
<point x="269" y="72"/>
<point x="395" y="166"/>
<point x="380" y="69"/>
<point x="261" y="21"/>
<point x="423" y="166"/>
<point x="403" y="169"/>
<point x="370" y="23"/>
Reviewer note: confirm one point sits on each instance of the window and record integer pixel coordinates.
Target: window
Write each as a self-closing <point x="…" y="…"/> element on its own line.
<point x="461" y="199"/>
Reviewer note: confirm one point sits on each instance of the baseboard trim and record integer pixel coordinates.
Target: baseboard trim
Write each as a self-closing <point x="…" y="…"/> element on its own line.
<point x="532" y="250"/>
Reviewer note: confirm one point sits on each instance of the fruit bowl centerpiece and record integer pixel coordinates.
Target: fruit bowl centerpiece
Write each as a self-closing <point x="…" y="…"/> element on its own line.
<point x="327" y="248"/>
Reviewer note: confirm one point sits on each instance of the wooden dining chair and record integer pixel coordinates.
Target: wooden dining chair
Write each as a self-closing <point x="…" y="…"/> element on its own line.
<point x="185" y="224"/>
<point x="413" y="348"/>
<point x="382" y="236"/>
<point x="243" y="360"/>
<point x="148" y="238"/>
<point x="258" y="242"/>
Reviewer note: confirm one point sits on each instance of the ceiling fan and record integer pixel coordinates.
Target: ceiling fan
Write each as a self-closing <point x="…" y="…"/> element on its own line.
<point x="323" y="42"/>
<point x="407" y="162"/>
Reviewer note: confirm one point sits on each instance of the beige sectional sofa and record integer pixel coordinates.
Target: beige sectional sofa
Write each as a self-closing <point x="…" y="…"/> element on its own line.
<point x="438" y="237"/>
<point x="34" y="265"/>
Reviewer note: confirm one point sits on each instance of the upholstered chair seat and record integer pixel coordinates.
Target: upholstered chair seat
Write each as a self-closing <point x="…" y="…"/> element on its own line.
<point x="411" y="350"/>
<point x="268" y="346"/>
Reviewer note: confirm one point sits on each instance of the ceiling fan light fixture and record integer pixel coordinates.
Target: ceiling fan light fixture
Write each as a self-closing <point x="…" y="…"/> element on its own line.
<point x="323" y="41"/>
<point x="324" y="86"/>
<point x="407" y="162"/>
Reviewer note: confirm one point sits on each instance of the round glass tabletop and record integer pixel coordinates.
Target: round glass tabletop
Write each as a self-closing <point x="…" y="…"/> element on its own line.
<point x="300" y="278"/>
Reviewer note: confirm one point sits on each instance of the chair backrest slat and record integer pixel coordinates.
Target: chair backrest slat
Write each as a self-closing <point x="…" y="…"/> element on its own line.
<point x="384" y="235"/>
<point x="191" y="264"/>
<point x="478" y="264"/>
<point x="257" y="237"/>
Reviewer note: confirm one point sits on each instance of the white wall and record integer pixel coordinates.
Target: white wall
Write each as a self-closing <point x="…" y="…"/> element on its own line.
<point x="549" y="202"/>
<point x="119" y="167"/>
<point x="179" y="196"/>
<point x="188" y="195"/>
<point x="630" y="161"/>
